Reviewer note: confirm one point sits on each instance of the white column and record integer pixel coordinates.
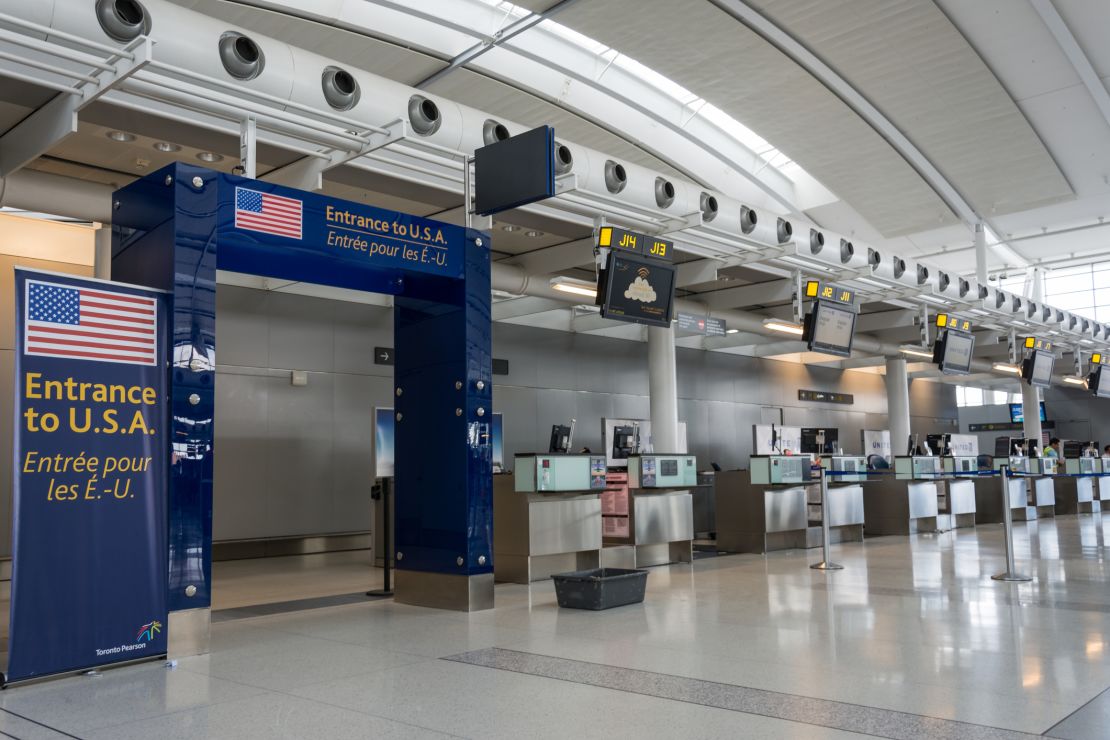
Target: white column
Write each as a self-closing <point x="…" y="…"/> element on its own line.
<point x="981" y="253"/>
<point x="1031" y="409"/>
<point x="663" y="386"/>
<point x="898" y="404"/>
<point x="102" y="256"/>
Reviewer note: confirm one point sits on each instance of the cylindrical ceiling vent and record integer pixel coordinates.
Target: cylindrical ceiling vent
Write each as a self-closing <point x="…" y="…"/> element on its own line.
<point x="242" y="58"/>
<point x="564" y="159"/>
<point x="494" y="131"/>
<point x="341" y="90"/>
<point x="847" y="251"/>
<point x="664" y="192"/>
<point x="615" y="176"/>
<point x="748" y="220"/>
<point x="784" y="231"/>
<point x="816" y="241"/>
<point x="122" y="20"/>
<point x="424" y="115"/>
<point x="708" y="205"/>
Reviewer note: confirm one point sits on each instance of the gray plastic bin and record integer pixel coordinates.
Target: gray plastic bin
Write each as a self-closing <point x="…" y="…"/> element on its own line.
<point x="602" y="588"/>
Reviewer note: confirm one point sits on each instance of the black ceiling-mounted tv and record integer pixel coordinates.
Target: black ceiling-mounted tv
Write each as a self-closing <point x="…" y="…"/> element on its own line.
<point x="829" y="328"/>
<point x="1095" y="382"/>
<point x="1037" y="368"/>
<point x="953" y="350"/>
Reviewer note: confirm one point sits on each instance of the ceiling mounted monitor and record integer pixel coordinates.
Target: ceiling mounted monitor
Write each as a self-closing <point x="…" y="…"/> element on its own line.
<point x="953" y="352"/>
<point x="829" y="328"/>
<point x="1037" y="368"/>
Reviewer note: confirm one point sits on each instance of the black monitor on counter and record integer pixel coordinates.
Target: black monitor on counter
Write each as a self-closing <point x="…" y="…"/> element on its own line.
<point x="953" y="350"/>
<point x="1037" y="368"/>
<point x="820" y="441"/>
<point x="829" y="328"/>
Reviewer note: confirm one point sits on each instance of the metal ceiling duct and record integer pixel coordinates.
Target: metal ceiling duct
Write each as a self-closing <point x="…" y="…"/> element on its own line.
<point x="847" y="251"/>
<point x="341" y="90"/>
<point x="122" y="20"/>
<point x="242" y="58"/>
<point x="749" y="219"/>
<point x="664" y="192"/>
<point x="816" y="241"/>
<point x="564" y="158"/>
<point x="709" y="206"/>
<point x="615" y="177"/>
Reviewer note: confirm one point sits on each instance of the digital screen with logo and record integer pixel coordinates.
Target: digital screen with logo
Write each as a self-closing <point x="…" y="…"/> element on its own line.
<point x="638" y="290"/>
<point x="954" y="352"/>
<point x="1017" y="414"/>
<point x="830" y="328"/>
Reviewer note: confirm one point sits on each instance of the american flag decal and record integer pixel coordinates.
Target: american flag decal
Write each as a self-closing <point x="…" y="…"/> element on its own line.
<point x="90" y="324"/>
<point x="268" y="213"/>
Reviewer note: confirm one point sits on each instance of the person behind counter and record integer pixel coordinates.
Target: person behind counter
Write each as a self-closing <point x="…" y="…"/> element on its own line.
<point x="1053" y="449"/>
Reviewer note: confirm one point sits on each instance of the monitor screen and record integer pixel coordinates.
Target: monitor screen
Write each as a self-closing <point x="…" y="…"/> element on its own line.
<point x="831" y="328"/>
<point x="1017" y="415"/>
<point x="812" y="442"/>
<point x="639" y="290"/>
<point x="1037" y="368"/>
<point x="958" y="348"/>
<point x="1094" y="382"/>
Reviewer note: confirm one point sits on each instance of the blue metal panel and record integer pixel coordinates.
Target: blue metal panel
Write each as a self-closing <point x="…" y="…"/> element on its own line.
<point x="166" y="230"/>
<point x="443" y="450"/>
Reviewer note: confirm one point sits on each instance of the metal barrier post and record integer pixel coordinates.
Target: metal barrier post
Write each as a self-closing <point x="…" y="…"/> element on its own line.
<point x="386" y="492"/>
<point x="826" y="562"/>
<point x="1008" y="526"/>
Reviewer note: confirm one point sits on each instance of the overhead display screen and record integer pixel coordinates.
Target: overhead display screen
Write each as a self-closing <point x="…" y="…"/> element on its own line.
<point x="832" y="326"/>
<point x="1037" y="368"/>
<point x="1096" y="384"/>
<point x="1017" y="414"/>
<point x="638" y="290"/>
<point x="956" y="350"/>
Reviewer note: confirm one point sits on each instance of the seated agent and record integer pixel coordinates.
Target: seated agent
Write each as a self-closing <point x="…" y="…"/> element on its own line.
<point x="1053" y="449"/>
<point x="1106" y="452"/>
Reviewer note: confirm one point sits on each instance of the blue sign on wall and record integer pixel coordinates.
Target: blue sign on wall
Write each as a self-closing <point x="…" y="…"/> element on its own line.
<point x="89" y="526"/>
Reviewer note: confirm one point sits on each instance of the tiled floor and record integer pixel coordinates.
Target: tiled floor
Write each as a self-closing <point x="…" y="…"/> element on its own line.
<point x="912" y="639"/>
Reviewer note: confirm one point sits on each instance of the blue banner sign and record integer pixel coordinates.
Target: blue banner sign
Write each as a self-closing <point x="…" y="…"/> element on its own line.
<point x="264" y="221"/>
<point x="89" y="564"/>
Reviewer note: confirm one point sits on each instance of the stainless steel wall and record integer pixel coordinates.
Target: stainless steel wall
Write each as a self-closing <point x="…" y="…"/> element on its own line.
<point x="297" y="461"/>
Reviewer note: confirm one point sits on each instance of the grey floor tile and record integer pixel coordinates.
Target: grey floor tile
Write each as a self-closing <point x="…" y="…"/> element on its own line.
<point x="1089" y="722"/>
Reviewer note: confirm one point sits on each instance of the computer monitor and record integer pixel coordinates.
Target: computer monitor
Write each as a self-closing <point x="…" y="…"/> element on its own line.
<point x="953" y="351"/>
<point x="625" y="441"/>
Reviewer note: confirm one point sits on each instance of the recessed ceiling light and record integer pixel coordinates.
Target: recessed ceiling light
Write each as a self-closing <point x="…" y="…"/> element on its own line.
<point x="209" y="156"/>
<point x="165" y="146"/>
<point x="121" y="136"/>
<point x="510" y="228"/>
<point x="534" y="234"/>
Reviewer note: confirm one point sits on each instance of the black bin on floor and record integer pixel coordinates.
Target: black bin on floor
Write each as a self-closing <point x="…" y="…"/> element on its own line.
<point x="601" y="588"/>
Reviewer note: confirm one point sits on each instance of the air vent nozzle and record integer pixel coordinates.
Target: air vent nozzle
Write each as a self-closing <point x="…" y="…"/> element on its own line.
<point x="341" y="89"/>
<point x="615" y="176"/>
<point x="424" y="115"/>
<point x="122" y="20"/>
<point x="242" y="58"/>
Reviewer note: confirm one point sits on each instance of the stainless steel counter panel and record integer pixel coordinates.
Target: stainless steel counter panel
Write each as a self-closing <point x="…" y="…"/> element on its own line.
<point x="758" y="518"/>
<point x="1077" y="496"/>
<point x="894" y="506"/>
<point x="961" y="497"/>
<point x="1045" y="491"/>
<point x="537" y="534"/>
<point x="845" y="505"/>
<point x="662" y="517"/>
<point x="784" y="509"/>
<point x="1102" y="487"/>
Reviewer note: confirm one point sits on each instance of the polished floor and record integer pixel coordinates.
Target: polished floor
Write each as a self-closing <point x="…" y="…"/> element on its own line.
<point x="911" y="640"/>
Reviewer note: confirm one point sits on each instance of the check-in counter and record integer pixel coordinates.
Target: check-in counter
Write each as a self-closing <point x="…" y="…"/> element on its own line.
<point x="764" y="508"/>
<point x="1077" y="493"/>
<point x="1031" y="492"/>
<point x="905" y="503"/>
<point x="956" y="504"/>
<point x="844" y="481"/>
<point x="547" y="516"/>
<point x="660" y="511"/>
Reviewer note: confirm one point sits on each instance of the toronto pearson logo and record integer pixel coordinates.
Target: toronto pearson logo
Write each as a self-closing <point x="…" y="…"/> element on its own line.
<point x="148" y="630"/>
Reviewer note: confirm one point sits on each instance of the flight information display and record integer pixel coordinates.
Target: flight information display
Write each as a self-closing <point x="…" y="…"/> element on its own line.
<point x="831" y="328"/>
<point x="638" y="290"/>
<point x="956" y="349"/>
<point x="1037" y="369"/>
<point x="1099" y="382"/>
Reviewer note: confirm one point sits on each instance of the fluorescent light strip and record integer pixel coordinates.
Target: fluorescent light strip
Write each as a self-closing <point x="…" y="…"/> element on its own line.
<point x="574" y="288"/>
<point x="916" y="352"/>
<point x="1004" y="368"/>
<point x="1076" y="381"/>
<point x="782" y="326"/>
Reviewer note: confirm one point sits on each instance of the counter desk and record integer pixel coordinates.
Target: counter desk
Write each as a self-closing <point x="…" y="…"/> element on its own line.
<point x="1031" y="489"/>
<point x="908" y="501"/>
<point x="1078" y="491"/>
<point x="649" y="513"/>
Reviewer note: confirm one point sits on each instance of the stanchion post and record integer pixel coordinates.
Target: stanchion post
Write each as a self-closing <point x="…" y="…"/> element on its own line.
<point x="826" y="559"/>
<point x="387" y="540"/>
<point x="1011" y="573"/>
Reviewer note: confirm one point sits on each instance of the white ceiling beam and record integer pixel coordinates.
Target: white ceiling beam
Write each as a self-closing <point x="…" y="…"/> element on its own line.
<point x="1075" y="54"/>
<point x="526" y="306"/>
<point x="882" y="320"/>
<point x="593" y="322"/>
<point x="759" y="294"/>
<point x="48" y="126"/>
<point x="839" y="86"/>
<point x="556" y="259"/>
<point x="697" y="271"/>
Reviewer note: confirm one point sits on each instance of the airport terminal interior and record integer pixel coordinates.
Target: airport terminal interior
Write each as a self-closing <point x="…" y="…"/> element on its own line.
<point x="554" y="368"/>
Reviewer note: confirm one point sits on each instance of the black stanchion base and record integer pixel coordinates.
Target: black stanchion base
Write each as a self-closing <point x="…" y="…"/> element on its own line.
<point x="824" y="565"/>
<point x="380" y="592"/>
<point x="1012" y="577"/>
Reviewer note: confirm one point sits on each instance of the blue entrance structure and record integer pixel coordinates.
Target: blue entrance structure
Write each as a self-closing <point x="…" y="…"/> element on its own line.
<point x="174" y="228"/>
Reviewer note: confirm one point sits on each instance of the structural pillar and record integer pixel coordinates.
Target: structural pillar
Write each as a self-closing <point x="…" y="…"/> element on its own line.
<point x="1031" y="409"/>
<point x="981" y="253"/>
<point x="898" y="404"/>
<point x="663" y="387"/>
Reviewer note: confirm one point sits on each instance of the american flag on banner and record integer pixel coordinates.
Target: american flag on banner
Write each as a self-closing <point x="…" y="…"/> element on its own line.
<point x="268" y="213"/>
<point x="90" y="324"/>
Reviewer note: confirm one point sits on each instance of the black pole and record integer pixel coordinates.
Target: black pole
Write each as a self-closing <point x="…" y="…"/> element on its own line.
<point x="387" y="540"/>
